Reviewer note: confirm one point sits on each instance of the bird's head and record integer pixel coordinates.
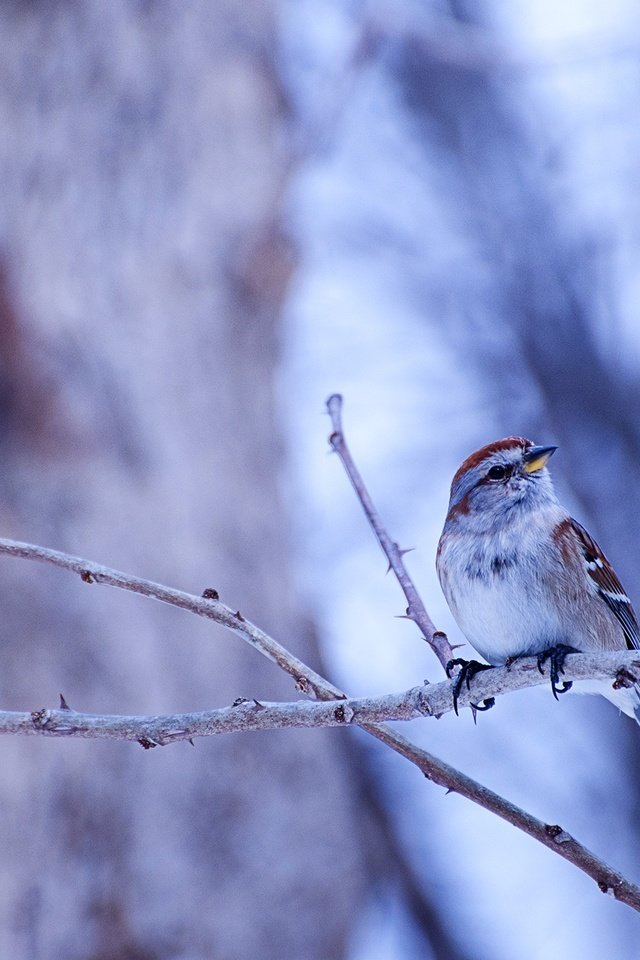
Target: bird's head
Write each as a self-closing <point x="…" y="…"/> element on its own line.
<point x="503" y="476"/>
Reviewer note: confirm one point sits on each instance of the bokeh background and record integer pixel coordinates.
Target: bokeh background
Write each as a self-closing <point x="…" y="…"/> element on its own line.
<point x="212" y="215"/>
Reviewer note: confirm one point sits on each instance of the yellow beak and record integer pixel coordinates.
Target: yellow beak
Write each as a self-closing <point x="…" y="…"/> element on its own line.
<point x="536" y="458"/>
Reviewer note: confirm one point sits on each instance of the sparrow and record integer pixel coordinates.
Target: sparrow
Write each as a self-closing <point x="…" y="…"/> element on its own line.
<point x="522" y="577"/>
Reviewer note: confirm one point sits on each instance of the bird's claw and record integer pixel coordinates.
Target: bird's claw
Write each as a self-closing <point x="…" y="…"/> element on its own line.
<point x="556" y="657"/>
<point x="468" y="670"/>
<point x="485" y="705"/>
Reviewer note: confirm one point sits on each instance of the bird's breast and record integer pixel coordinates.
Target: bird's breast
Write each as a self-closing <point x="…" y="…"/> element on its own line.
<point x="499" y="600"/>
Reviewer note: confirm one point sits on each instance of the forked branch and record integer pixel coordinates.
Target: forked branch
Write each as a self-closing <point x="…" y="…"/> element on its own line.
<point x="64" y="721"/>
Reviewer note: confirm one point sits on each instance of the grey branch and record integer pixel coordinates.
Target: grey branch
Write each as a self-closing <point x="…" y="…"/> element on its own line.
<point x="431" y="700"/>
<point x="312" y="684"/>
<point x="416" y="609"/>
<point x="306" y="679"/>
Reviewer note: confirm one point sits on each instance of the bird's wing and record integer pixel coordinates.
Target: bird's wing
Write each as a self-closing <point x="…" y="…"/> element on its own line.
<point x="609" y="587"/>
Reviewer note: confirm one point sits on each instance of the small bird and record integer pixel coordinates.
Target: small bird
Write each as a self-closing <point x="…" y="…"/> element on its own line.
<point x="522" y="577"/>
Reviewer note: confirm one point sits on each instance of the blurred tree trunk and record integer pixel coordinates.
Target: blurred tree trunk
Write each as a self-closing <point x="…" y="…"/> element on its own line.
<point x="142" y="162"/>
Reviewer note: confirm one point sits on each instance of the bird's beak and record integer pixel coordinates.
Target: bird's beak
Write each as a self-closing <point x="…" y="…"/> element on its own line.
<point x="537" y="457"/>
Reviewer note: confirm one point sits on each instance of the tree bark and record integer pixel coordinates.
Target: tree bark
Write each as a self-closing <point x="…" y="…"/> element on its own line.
<point x="142" y="163"/>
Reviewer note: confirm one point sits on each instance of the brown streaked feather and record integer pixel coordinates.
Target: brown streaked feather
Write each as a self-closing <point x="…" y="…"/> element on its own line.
<point x="609" y="587"/>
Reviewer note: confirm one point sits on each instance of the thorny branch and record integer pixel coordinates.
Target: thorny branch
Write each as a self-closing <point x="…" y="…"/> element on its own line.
<point x="64" y="721"/>
<point x="431" y="700"/>
<point x="416" y="609"/>
<point x="436" y="770"/>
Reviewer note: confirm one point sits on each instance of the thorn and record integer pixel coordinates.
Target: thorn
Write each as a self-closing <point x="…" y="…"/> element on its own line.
<point x="404" y="550"/>
<point x="191" y="742"/>
<point x="87" y="577"/>
<point x="402" y="616"/>
<point x="210" y="594"/>
<point x="239" y="616"/>
<point x="457" y="646"/>
<point x="258" y="705"/>
<point x="63" y="703"/>
<point x="448" y="791"/>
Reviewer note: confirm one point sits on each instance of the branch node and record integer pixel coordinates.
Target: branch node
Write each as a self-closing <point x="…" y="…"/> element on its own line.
<point x="40" y="718"/>
<point x="147" y="743"/>
<point x="555" y="831"/>
<point x="239" y="701"/>
<point x="210" y="594"/>
<point x="87" y="577"/>
<point x="344" y="714"/>
<point x="422" y="704"/>
<point x="302" y="684"/>
<point x="605" y="887"/>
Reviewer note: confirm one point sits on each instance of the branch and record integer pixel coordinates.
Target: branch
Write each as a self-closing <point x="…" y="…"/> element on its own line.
<point x="431" y="700"/>
<point x="208" y="605"/>
<point x="416" y="610"/>
<point x="552" y="836"/>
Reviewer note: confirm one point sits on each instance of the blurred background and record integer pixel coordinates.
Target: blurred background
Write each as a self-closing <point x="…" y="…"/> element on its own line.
<point x="212" y="215"/>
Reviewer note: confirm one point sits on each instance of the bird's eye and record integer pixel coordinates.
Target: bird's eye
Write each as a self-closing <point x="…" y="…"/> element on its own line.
<point x="498" y="473"/>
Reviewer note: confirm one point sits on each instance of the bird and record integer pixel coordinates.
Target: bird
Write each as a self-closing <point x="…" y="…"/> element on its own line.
<point x="522" y="577"/>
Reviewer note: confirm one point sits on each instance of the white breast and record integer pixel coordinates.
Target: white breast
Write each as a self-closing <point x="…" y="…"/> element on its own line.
<point x="496" y="588"/>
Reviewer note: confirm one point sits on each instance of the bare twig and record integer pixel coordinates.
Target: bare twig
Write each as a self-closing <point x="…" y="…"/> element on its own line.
<point x="311" y="683"/>
<point x="307" y="680"/>
<point x="430" y="700"/>
<point x="552" y="836"/>
<point x="416" y="610"/>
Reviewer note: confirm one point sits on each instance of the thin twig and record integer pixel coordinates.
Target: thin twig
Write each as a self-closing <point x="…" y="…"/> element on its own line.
<point x="416" y="610"/>
<point x="307" y="680"/>
<point x="552" y="836"/>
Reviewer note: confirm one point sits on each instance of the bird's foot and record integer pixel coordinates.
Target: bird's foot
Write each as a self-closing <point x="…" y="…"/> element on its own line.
<point x="556" y="657"/>
<point x="468" y="670"/>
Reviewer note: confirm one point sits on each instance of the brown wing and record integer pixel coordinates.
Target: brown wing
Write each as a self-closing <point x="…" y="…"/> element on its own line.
<point x="609" y="587"/>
